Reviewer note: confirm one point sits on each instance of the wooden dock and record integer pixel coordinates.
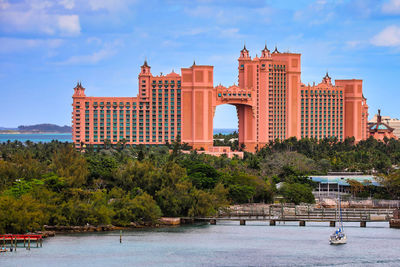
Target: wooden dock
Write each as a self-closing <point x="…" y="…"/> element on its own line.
<point x="11" y="241"/>
<point x="301" y="214"/>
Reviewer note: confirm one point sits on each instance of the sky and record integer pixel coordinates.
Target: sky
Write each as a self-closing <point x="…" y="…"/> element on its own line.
<point x="47" y="46"/>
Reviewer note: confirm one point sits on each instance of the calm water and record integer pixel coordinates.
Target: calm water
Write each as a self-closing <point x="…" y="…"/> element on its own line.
<point x="64" y="137"/>
<point x="36" y="137"/>
<point x="225" y="244"/>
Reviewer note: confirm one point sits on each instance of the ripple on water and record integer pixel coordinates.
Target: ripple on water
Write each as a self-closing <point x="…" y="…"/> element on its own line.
<point x="224" y="244"/>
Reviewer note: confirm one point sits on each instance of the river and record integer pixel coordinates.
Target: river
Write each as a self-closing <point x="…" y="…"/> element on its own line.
<point x="224" y="244"/>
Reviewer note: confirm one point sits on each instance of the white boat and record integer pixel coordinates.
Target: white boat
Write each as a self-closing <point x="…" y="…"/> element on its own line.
<point x="338" y="237"/>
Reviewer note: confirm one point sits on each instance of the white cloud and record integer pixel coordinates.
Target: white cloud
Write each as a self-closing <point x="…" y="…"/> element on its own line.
<point x="68" y="4"/>
<point x="109" y="5"/>
<point x="230" y="33"/>
<point x="94" y="40"/>
<point x="170" y="43"/>
<point x="89" y="59"/>
<point x="317" y="13"/>
<point x="215" y="31"/>
<point x="40" y="4"/>
<point x="37" y="17"/>
<point x="193" y="31"/>
<point x="391" y="7"/>
<point x="106" y="52"/>
<point x="4" y="4"/>
<point x="390" y="36"/>
<point x="69" y="24"/>
<point x="218" y="14"/>
<point x="353" y="44"/>
<point x="21" y="45"/>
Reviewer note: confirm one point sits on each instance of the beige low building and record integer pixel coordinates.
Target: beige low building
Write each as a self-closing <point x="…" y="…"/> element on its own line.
<point x="392" y="122"/>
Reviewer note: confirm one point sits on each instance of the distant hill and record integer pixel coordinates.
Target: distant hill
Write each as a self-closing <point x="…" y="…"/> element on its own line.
<point x="45" y="127"/>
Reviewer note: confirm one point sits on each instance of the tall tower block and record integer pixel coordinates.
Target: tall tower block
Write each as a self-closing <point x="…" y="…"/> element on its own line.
<point x="197" y="106"/>
<point x="77" y="119"/>
<point x="355" y="109"/>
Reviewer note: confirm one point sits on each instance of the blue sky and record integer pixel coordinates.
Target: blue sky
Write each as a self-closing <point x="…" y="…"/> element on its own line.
<point x="46" y="46"/>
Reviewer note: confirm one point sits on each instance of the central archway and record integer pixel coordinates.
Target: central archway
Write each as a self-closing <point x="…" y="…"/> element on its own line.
<point x="242" y="100"/>
<point x="225" y="126"/>
<point x="246" y="126"/>
<point x="199" y="101"/>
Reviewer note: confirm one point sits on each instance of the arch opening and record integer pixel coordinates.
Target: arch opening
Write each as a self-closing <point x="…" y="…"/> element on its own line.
<point x="225" y="126"/>
<point x="246" y="128"/>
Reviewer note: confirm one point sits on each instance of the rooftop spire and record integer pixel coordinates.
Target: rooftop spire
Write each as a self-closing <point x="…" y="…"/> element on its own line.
<point x="194" y="62"/>
<point x="265" y="47"/>
<point x="379" y="116"/>
<point x="244" y="47"/>
<point x="145" y="63"/>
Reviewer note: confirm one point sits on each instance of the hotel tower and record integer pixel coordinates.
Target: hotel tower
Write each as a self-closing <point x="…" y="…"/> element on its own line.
<point x="270" y="100"/>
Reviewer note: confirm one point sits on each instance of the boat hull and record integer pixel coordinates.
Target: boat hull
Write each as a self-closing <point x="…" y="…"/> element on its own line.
<point x="338" y="241"/>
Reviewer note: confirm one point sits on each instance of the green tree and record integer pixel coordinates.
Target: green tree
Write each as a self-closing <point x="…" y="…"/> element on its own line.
<point x="391" y="182"/>
<point x="202" y="204"/>
<point x="21" y="215"/>
<point x="70" y="164"/>
<point x="145" y="209"/>
<point x="241" y="193"/>
<point x="297" y="193"/>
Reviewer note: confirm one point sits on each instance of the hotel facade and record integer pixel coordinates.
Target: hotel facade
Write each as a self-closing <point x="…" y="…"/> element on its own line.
<point x="270" y="99"/>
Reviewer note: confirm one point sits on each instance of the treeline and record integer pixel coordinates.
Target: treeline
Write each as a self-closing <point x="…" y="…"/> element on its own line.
<point x="365" y="156"/>
<point x="53" y="184"/>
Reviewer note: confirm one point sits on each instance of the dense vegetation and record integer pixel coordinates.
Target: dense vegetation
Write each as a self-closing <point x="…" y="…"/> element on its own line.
<point x="53" y="184"/>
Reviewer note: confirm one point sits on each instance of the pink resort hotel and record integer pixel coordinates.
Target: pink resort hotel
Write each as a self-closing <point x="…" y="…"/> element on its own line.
<point x="270" y="100"/>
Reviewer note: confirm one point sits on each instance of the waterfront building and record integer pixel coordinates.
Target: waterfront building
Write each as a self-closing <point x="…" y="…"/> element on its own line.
<point x="381" y="130"/>
<point x="331" y="184"/>
<point x="270" y="100"/>
<point x="391" y="122"/>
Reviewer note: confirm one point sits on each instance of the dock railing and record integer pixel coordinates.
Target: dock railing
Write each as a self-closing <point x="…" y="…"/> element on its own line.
<point x="305" y="212"/>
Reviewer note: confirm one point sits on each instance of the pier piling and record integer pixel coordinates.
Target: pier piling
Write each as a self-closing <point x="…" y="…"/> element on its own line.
<point x="332" y="223"/>
<point x="242" y="222"/>
<point x="363" y="224"/>
<point x="272" y="222"/>
<point x="213" y="221"/>
<point x="29" y="243"/>
<point x="302" y="223"/>
<point x="120" y="236"/>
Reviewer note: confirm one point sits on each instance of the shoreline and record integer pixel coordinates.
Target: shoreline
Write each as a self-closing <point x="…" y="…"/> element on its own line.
<point x="52" y="230"/>
<point x="30" y="132"/>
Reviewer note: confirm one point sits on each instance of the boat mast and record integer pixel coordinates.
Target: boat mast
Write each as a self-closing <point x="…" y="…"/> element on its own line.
<point x="340" y="207"/>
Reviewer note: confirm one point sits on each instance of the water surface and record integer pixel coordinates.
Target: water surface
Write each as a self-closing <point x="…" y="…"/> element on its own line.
<point x="224" y="244"/>
<point x="65" y="137"/>
<point x="36" y="138"/>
